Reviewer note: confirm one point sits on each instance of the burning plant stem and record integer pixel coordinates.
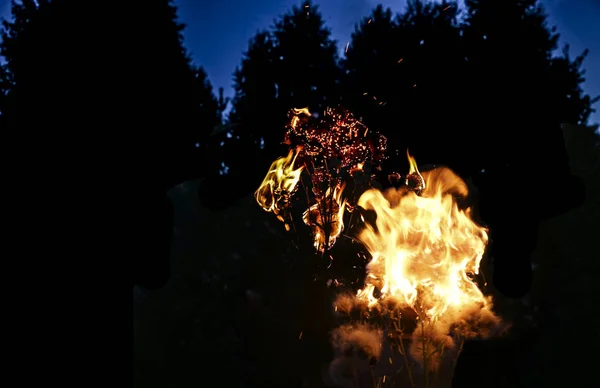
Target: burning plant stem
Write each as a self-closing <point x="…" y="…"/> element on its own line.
<point x="425" y="356"/>
<point x="404" y="355"/>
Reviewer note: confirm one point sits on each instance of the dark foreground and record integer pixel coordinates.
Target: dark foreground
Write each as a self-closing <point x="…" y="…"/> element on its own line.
<point x="232" y="313"/>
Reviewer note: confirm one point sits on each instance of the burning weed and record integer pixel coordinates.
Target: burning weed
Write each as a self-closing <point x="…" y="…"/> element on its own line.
<point x="332" y="151"/>
<point x="420" y="287"/>
<point x="420" y="298"/>
<point x="360" y="339"/>
<point x="279" y="185"/>
<point x="357" y="348"/>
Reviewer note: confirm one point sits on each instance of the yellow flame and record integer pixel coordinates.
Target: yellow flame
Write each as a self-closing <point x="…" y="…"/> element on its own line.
<point x="413" y="169"/>
<point x="357" y="168"/>
<point x="281" y="180"/>
<point x="296" y="118"/>
<point x="424" y="247"/>
<point x="326" y="218"/>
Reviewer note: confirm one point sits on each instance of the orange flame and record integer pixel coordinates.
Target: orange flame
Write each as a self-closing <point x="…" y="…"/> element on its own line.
<point x="296" y="117"/>
<point x="281" y="180"/>
<point x="326" y="218"/>
<point x="424" y="247"/>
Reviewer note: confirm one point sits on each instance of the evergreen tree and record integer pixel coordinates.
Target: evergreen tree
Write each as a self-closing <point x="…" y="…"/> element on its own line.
<point x="254" y="105"/>
<point x="31" y="74"/>
<point x="294" y="65"/>
<point x="5" y="88"/>
<point x="432" y="72"/>
<point x="157" y="94"/>
<point x="187" y="110"/>
<point x="515" y="79"/>
<point x="253" y="131"/>
<point x="208" y="108"/>
<point x="566" y="77"/>
<point x="371" y="66"/>
<point x="165" y="100"/>
<point x="483" y="95"/>
<point x="403" y="76"/>
<point x="306" y="60"/>
<point x="68" y="93"/>
<point x="519" y="96"/>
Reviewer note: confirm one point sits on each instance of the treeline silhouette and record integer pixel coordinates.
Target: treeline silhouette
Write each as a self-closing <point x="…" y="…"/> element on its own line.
<point x="480" y="89"/>
<point x="475" y="88"/>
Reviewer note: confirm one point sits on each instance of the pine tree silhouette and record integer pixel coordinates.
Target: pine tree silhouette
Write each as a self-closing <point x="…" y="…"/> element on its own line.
<point x="51" y="92"/>
<point x="399" y="70"/>
<point x="306" y="60"/>
<point x="254" y="105"/>
<point x="520" y="101"/>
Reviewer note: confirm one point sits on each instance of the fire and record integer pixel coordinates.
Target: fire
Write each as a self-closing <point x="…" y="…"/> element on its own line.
<point x="326" y="218"/>
<point x="331" y="150"/>
<point x="296" y="117"/>
<point x="281" y="181"/>
<point x="424" y="247"/>
<point x="419" y="288"/>
<point x="414" y="180"/>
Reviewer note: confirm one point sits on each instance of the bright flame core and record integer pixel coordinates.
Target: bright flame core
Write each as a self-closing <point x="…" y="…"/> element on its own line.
<point x="424" y="247"/>
<point x="279" y="184"/>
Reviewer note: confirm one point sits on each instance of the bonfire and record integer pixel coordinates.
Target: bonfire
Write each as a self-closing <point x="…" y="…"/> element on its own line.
<point x="421" y="298"/>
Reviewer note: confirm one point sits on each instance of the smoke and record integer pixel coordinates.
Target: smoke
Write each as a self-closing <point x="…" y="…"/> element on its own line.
<point x="360" y="339"/>
<point x="476" y="322"/>
<point x="350" y="305"/>
<point x="429" y="344"/>
<point x="434" y="345"/>
<point x="357" y="347"/>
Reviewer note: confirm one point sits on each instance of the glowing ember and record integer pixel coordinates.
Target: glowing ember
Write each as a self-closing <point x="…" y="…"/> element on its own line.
<point x="337" y="137"/>
<point x="330" y="150"/>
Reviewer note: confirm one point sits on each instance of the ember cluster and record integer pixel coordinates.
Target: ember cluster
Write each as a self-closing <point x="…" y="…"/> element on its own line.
<point x="335" y="143"/>
<point x="332" y="150"/>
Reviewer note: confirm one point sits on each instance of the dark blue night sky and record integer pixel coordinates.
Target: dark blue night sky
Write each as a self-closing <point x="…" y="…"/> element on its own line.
<point x="231" y="23"/>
